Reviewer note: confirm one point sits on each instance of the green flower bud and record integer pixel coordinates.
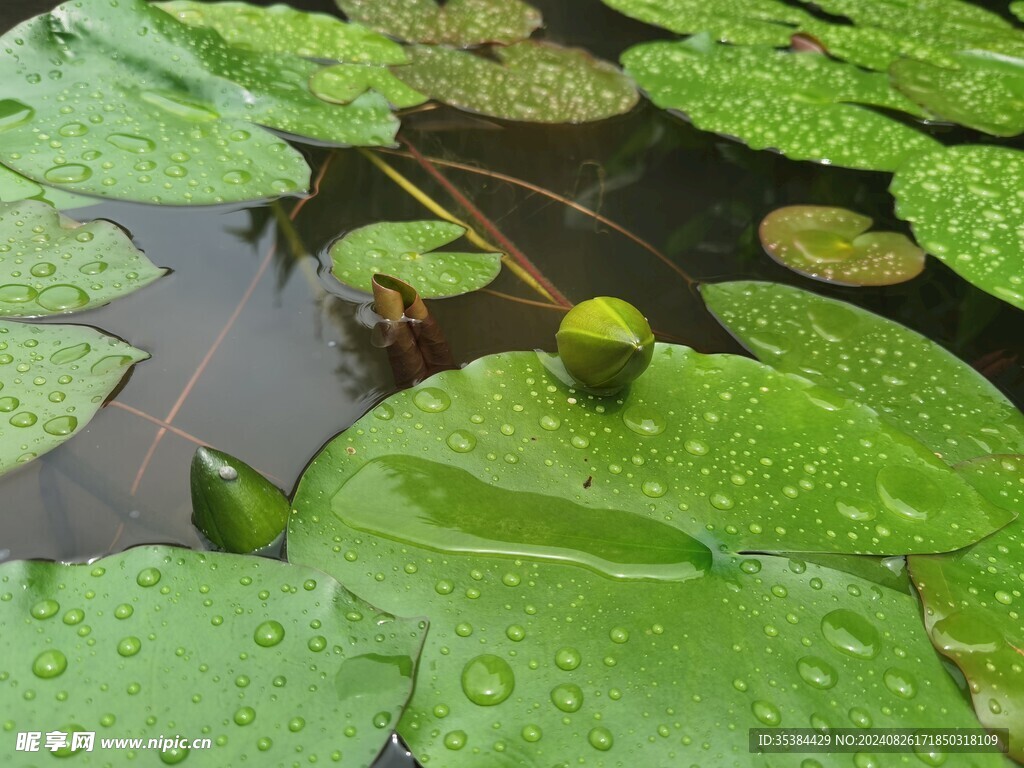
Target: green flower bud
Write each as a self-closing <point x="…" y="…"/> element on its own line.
<point x="234" y="506"/>
<point x="605" y="343"/>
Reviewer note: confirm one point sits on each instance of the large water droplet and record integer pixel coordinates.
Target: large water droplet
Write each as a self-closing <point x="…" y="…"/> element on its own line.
<point x="69" y="173"/>
<point x="643" y="420"/>
<point x="487" y="680"/>
<point x="851" y="633"/>
<point x="817" y="672"/>
<point x="60" y="298"/>
<point x="49" y="663"/>
<point x="14" y="113"/>
<point x="908" y="492"/>
<point x="431" y="400"/>
<point x="268" y="634"/>
<point x="568" y="697"/>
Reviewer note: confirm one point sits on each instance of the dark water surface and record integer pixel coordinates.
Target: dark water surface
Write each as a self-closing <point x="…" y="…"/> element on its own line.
<point x="295" y="364"/>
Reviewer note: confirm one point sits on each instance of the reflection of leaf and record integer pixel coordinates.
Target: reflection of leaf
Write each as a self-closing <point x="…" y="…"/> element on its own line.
<point x="264" y="659"/>
<point x="533" y="82"/>
<point x="50" y="264"/>
<point x="456" y="22"/>
<point x="152" y="110"/>
<point x="972" y="602"/>
<point x="964" y="206"/>
<point x="405" y="249"/>
<point x="833" y="245"/>
<point x="804" y="105"/>
<point x="607" y="526"/>
<point x="53" y="379"/>
<point x="15" y="187"/>
<point x="912" y="382"/>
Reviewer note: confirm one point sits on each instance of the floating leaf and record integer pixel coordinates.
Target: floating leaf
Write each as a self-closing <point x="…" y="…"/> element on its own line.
<point x="50" y="264"/>
<point x="803" y="105"/>
<point x="456" y="22"/>
<point x="264" y="659"/>
<point x="123" y="101"/>
<point x="573" y="554"/>
<point x="14" y="187"/>
<point x="748" y="22"/>
<point x="973" y="598"/>
<point x="533" y="82"/>
<point x="915" y="384"/>
<point x="344" y="83"/>
<point x="53" y="378"/>
<point x="1017" y="9"/>
<point x="978" y="89"/>
<point x="405" y="249"/>
<point x="965" y="207"/>
<point x="833" y="245"/>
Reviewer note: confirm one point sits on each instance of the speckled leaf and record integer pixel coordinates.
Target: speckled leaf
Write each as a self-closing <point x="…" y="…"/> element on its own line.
<point x="457" y="22"/>
<point x="15" y="187"/>
<point x="126" y="102"/>
<point x="265" y="659"/>
<point x="50" y="264"/>
<point x="405" y="249"/>
<point x="911" y="381"/>
<point x="572" y="615"/>
<point x="973" y="600"/>
<point x="533" y="82"/>
<point x="806" y="106"/>
<point x="977" y="90"/>
<point x="833" y="245"/>
<point x="749" y="22"/>
<point x="965" y="205"/>
<point x="343" y="83"/>
<point x="53" y="379"/>
<point x="1017" y="9"/>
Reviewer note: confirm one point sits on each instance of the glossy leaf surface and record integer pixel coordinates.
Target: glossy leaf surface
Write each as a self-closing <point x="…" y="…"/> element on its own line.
<point x="455" y="22"/>
<point x="50" y="264"/>
<point x="14" y="187"/>
<point x="265" y="659"/>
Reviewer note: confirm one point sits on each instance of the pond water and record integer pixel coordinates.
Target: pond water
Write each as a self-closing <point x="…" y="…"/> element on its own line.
<point x="257" y="353"/>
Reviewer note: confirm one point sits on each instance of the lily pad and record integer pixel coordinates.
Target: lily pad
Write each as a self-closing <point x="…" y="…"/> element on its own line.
<point x="746" y="22"/>
<point x="972" y="600"/>
<point x="405" y="249"/>
<point x="911" y="381"/>
<point x="806" y="106"/>
<point x="1017" y="9"/>
<point x="965" y="207"/>
<point x="53" y="379"/>
<point x="123" y="101"/>
<point x="50" y="264"/>
<point x="263" y="659"/>
<point x="573" y="553"/>
<point x="833" y="245"/>
<point x="344" y="83"/>
<point x="15" y="187"/>
<point x="530" y="81"/>
<point x="455" y="22"/>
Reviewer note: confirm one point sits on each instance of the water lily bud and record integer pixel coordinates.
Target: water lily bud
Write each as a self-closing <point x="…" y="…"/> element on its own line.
<point x="234" y="506"/>
<point x="605" y="343"/>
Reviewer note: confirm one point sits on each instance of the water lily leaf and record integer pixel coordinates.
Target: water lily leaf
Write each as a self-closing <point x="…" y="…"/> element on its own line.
<point x="805" y="106"/>
<point x="964" y="206"/>
<point x="747" y="22"/>
<point x="282" y="29"/>
<point x="15" y="187"/>
<point x="50" y="264"/>
<point x="973" y="597"/>
<point x="405" y="249"/>
<point x="533" y="82"/>
<point x="977" y="89"/>
<point x="53" y="379"/>
<point x="457" y="22"/>
<point x="123" y="101"/>
<point x="914" y="384"/>
<point x="344" y="83"/>
<point x="263" y="658"/>
<point x="833" y="245"/>
<point x="1017" y="9"/>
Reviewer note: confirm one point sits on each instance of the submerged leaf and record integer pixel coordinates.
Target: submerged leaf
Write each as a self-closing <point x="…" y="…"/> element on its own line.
<point x="914" y="384"/>
<point x="803" y="105"/>
<point x="834" y="246"/>
<point x="262" y="658"/>
<point x="530" y="81"/>
<point x="50" y="264"/>
<point x="405" y="249"/>
<point x="964" y="205"/>
<point x="53" y="379"/>
<point x="455" y="22"/>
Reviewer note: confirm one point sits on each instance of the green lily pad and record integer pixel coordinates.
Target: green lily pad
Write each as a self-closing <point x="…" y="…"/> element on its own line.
<point x="978" y="90"/>
<point x="964" y="205"/>
<point x="806" y="106"/>
<point x="53" y="379"/>
<point x="745" y="22"/>
<point x="123" y="101"/>
<point x="972" y="600"/>
<point x="457" y="22"/>
<point x="834" y="246"/>
<point x="912" y="382"/>
<point x="50" y="264"/>
<point x="405" y="249"/>
<point x="15" y="187"/>
<point x="530" y="81"/>
<point x="1017" y="9"/>
<point x="344" y="83"/>
<point x="264" y="659"/>
<point x="573" y="553"/>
